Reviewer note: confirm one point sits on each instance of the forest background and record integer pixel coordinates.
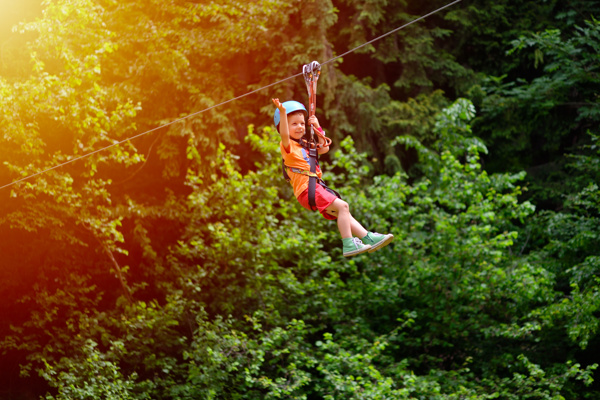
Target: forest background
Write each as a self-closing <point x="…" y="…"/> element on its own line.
<point x="177" y="265"/>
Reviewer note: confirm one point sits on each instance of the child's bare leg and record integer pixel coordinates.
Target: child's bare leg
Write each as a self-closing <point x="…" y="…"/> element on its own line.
<point x="348" y="226"/>
<point x="340" y="209"/>
<point x="357" y="228"/>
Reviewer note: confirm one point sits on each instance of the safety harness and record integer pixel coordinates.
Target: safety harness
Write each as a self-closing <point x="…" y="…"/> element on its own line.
<point x="309" y="142"/>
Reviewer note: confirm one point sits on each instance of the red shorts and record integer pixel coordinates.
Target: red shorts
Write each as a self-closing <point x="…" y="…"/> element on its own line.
<point x="323" y="199"/>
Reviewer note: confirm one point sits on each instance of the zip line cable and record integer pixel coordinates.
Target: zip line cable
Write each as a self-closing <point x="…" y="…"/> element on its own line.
<point x="227" y="101"/>
<point x="392" y="31"/>
<point x="146" y="132"/>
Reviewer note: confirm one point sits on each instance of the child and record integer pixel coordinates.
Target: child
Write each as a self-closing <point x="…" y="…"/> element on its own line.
<point x="329" y="205"/>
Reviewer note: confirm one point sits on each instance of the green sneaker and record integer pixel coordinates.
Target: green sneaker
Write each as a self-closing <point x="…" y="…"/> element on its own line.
<point x="377" y="240"/>
<point x="354" y="246"/>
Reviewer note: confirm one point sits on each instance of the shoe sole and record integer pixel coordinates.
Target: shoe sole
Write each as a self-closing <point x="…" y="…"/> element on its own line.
<point x="365" y="249"/>
<point x="382" y="244"/>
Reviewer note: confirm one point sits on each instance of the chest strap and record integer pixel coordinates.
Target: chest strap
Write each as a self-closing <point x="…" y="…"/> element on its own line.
<point x="313" y="178"/>
<point x="301" y="171"/>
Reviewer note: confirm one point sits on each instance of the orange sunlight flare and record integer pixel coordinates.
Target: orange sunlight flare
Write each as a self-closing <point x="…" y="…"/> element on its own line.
<point x="15" y="11"/>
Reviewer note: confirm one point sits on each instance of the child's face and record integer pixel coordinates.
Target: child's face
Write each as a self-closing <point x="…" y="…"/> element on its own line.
<point x="296" y="125"/>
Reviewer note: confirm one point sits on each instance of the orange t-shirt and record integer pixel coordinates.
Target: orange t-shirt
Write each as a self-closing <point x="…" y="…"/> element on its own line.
<point x="297" y="158"/>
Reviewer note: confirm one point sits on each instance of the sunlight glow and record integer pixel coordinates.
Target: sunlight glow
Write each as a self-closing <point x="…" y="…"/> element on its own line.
<point x="14" y="11"/>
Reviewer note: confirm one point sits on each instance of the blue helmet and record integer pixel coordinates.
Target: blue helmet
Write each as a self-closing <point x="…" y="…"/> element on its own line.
<point x="290" y="107"/>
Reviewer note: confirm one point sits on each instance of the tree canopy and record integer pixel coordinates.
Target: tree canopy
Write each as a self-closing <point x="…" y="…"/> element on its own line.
<point x="152" y="250"/>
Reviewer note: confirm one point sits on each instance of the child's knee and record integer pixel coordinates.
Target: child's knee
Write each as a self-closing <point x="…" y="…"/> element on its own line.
<point x="342" y="206"/>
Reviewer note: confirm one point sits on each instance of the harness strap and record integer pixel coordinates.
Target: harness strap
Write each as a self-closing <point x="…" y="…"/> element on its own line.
<point x="301" y="171"/>
<point x="284" y="168"/>
<point x="312" y="180"/>
<point x="312" y="176"/>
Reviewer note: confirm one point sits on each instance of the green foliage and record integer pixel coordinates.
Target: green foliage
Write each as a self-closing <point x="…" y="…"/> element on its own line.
<point x="179" y="266"/>
<point x="355" y="375"/>
<point x="91" y="377"/>
<point x="567" y="243"/>
<point x="412" y="61"/>
<point x="434" y="302"/>
<point x="554" y="110"/>
<point x="535" y="383"/>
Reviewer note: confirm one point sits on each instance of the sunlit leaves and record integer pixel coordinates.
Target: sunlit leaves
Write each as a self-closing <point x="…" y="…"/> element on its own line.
<point x="187" y="270"/>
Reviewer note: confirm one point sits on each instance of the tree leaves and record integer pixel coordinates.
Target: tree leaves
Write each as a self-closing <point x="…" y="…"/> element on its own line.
<point x="180" y="266"/>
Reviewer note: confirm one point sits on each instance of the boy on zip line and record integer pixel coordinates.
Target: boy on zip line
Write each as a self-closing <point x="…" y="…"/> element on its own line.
<point x="296" y="156"/>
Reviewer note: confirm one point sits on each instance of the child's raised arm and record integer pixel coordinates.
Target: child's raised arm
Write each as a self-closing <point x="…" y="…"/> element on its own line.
<point x="284" y="131"/>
